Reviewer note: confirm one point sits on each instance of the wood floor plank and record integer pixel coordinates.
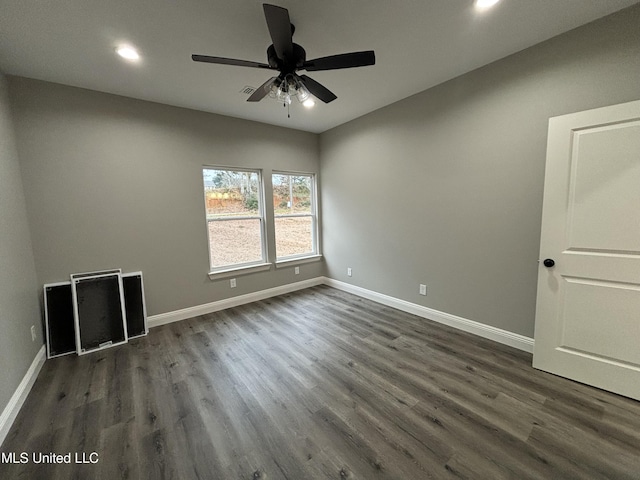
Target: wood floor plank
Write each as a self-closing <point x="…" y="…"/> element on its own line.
<point x="158" y="459"/>
<point x="121" y="442"/>
<point x="319" y="384"/>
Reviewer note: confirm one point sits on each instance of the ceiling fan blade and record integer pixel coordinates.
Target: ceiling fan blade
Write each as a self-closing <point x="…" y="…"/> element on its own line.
<point x="317" y="90"/>
<point x="279" y="26"/>
<point x="228" y="61"/>
<point x="344" y="60"/>
<point x="262" y="91"/>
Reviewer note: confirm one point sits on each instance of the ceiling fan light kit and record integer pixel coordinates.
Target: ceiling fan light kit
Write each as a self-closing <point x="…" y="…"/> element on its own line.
<point x="288" y="58"/>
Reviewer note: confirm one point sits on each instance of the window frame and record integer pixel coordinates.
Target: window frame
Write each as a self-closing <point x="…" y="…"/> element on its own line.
<point x="243" y="267"/>
<point x="315" y="252"/>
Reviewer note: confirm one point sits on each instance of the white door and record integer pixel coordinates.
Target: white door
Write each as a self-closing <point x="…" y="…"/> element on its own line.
<point x="588" y="305"/>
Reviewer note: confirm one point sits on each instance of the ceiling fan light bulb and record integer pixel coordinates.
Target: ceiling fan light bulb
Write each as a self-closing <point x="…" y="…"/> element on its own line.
<point x="273" y="91"/>
<point x="303" y="94"/>
<point x="281" y="94"/>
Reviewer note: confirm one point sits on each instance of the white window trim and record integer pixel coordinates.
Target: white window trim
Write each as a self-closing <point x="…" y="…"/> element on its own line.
<point x="239" y="270"/>
<point x="297" y="260"/>
<point x="315" y="254"/>
<point x="248" y="267"/>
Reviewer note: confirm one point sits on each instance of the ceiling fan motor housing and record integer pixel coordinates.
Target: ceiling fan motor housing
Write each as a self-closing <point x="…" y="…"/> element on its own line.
<point x="287" y="65"/>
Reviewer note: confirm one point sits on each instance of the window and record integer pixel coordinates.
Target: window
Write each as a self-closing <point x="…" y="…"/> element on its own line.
<point x="235" y="217"/>
<point x="294" y="207"/>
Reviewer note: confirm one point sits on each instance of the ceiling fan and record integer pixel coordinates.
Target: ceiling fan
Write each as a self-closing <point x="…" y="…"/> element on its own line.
<point x="287" y="58"/>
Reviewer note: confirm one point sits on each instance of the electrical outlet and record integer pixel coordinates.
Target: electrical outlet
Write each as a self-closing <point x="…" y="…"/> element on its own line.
<point x="348" y="271"/>
<point x="296" y="270"/>
<point x="423" y="289"/>
<point x="33" y="333"/>
<point x="232" y="283"/>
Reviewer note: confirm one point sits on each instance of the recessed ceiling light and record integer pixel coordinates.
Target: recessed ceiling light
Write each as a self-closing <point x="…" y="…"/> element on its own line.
<point x="308" y="103"/>
<point x="483" y="4"/>
<point x="128" y="53"/>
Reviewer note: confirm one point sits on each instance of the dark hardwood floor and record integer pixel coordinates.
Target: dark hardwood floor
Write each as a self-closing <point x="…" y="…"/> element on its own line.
<point x="318" y="384"/>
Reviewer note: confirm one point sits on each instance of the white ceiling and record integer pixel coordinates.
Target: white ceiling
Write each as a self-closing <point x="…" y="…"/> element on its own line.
<point x="418" y="44"/>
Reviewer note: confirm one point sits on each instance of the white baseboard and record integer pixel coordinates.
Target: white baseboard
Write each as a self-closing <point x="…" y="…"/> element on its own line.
<point x="486" y="331"/>
<point x="175" y="316"/>
<point x="10" y="412"/>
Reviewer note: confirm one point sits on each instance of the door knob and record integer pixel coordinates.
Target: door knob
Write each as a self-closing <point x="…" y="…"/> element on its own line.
<point x="548" y="262"/>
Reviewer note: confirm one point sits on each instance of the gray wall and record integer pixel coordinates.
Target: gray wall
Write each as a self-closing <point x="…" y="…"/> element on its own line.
<point x="445" y="188"/>
<point x="19" y="308"/>
<point x="113" y="182"/>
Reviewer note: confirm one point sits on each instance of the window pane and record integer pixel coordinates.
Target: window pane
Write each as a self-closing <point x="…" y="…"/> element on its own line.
<point x="229" y="193"/>
<point x="234" y="241"/>
<point x="294" y="236"/>
<point x="291" y="194"/>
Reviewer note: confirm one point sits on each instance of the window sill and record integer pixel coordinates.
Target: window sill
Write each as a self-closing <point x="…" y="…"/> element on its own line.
<point x="235" y="271"/>
<point x="290" y="262"/>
